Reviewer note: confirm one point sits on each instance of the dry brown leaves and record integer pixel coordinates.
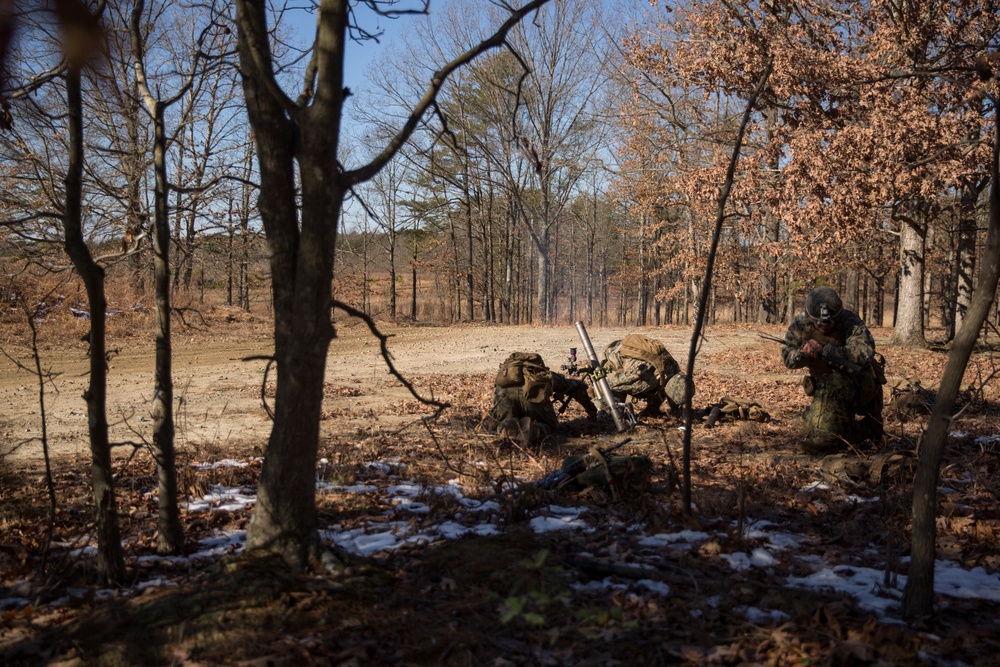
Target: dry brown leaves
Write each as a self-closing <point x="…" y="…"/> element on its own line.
<point x="522" y="597"/>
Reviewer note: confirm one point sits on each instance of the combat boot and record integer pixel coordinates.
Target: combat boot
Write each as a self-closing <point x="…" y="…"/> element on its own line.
<point x="818" y="446"/>
<point x="509" y="428"/>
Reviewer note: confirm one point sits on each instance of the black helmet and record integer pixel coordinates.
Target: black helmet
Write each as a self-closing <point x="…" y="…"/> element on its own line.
<point x="823" y="305"/>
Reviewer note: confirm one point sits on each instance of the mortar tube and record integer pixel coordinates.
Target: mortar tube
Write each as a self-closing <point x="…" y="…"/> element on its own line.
<point x="602" y="382"/>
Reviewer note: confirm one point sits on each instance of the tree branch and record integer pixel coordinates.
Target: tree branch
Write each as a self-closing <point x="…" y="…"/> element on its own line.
<point x="496" y="40"/>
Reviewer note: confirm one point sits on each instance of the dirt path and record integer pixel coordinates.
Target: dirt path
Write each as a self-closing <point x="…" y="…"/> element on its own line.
<point x="217" y="391"/>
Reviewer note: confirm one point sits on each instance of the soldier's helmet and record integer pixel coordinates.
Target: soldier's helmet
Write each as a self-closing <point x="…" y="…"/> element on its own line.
<point x="823" y="305"/>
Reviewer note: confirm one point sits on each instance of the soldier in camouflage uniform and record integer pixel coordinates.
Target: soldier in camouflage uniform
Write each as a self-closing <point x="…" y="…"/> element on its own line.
<point x="523" y="399"/>
<point x="641" y="367"/>
<point x="845" y="374"/>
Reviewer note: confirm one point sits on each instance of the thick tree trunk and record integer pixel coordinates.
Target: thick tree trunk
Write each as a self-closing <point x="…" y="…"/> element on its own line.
<point x="909" y="327"/>
<point x="306" y="133"/>
<point x="284" y="520"/>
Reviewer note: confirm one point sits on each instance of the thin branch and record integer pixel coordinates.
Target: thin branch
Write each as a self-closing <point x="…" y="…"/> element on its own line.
<point x="263" y="383"/>
<point x="706" y="285"/>
<point x="496" y="40"/>
<point x="387" y="356"/>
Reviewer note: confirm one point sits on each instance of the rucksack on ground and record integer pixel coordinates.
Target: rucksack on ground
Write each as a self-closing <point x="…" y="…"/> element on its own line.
<point x="909" y="398"/>
<point x="732" y="408"/>
<point x="852" y="473"/>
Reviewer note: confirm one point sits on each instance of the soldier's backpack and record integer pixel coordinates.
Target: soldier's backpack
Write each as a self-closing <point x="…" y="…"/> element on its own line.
<point x="650" y="350"/>
<point x="910" y="398"/>
<point x="528" y="371"/>
<point x="737" y="409"/>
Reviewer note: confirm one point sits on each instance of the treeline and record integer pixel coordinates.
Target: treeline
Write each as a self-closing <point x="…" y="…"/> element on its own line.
<point x="568" y="176"/>
<point x="425" y="291"/>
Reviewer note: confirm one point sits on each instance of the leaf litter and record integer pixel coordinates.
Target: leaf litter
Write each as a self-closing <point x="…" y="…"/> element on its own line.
<point x="450" y="557"/>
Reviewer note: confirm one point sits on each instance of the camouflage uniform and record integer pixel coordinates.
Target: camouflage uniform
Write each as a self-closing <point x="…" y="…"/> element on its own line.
<point x="629" y="376"/>
<point x="526" y="411"/>
<point x="567" y="389"/>
<point x="838" y="393"/>
<point x="515" y="416"/>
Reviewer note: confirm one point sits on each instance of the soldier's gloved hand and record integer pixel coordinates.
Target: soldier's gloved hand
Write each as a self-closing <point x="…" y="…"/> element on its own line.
<point x="812" y="349"/>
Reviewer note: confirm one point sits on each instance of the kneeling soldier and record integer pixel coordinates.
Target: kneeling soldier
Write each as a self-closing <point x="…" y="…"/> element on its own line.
<point x="845" y="374"/>
<point x="522" y="398"/>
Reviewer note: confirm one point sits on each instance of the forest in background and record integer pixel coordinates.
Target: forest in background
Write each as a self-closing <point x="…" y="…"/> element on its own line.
<point x="579" y="187"/>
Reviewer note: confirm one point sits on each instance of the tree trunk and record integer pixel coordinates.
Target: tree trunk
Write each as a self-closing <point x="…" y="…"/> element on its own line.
<point x="544" y="273"/>
<point x="110" y="556"/>
<point x="909" y="327"/>
<point x="965" y="254"/>
<point x="642" y="287"/>
<point x="306" y="133"/>
<point x="170" y="539"/>
<point x="469" y="283"/>
<point x="918" y="597"/>
<point x="284" y="520"/>
<point x="230" y="255"/>
<point x="170" y="536"/>
<point x="768" y="311"/>
<point x="413" y="274"/>
<point x="850" y="294"/>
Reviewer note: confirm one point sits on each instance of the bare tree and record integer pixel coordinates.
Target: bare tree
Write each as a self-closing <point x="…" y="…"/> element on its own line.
<point x="170" y="535"/>
<point x="110" y="556"/>
<point x="557" y="123"/>
<point x="386" y="190"/>
<point x="306" y="133"/>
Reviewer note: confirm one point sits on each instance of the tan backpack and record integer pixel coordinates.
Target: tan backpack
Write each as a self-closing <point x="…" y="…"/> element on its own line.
<point x="528" y="371"/>
<point x="650" y="350"/>
<point x="743" y="409"/>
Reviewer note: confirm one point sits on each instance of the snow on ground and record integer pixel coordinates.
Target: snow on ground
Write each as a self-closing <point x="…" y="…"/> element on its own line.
<point x="868" y="586"/>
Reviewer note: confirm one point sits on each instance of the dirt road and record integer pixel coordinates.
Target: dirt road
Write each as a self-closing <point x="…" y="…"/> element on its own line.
<point x="217" y="390"/>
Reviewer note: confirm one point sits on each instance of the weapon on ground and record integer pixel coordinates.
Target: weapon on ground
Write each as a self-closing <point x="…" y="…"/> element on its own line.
<point x="561" y="477"/>
<point x="849" y="366"/>
<point x="597" y="375"/>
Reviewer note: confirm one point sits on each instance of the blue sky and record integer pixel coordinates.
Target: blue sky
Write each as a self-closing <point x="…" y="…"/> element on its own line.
<point x="359" y="55"/>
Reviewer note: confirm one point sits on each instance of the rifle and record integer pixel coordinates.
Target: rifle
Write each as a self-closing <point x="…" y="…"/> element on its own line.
<point x="597" y="377"/>
<point x="848" y="366"/>
<point x="559" y="478"/>
<point x="567" y="387"/>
